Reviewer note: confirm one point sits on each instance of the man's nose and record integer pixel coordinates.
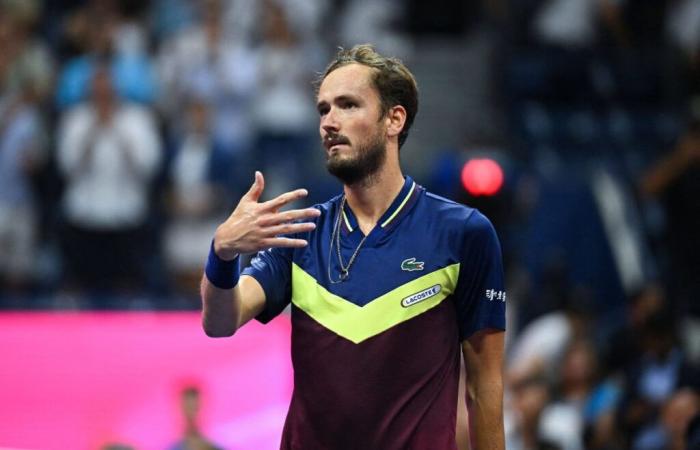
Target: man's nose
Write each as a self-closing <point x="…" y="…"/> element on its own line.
<point x="329" y="122"/>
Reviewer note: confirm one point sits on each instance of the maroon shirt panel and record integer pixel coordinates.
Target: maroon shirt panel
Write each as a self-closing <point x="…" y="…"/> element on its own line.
<point x="396" y="390"/>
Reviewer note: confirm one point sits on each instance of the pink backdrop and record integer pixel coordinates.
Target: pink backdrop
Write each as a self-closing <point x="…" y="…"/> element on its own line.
<point x="78" y="380"/>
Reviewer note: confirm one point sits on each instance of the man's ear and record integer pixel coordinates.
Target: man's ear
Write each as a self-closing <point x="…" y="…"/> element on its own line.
<point x="395" y="120"/>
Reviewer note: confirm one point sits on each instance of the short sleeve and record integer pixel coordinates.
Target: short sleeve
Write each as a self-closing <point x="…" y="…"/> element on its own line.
<point x="272" y="268"/>
<point x="480" y="296"/>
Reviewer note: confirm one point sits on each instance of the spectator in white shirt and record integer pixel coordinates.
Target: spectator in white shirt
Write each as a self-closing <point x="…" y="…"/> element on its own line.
<point x="108" y="153"/>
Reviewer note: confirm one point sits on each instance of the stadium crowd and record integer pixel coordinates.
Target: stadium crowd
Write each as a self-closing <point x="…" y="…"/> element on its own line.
<point x="128" y="130"/>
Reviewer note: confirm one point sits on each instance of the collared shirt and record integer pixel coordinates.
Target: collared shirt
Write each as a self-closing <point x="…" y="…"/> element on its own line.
<point x="376" y="357"/>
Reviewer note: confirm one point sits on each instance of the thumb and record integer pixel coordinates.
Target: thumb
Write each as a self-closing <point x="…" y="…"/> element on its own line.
<point x="256" y="189"/>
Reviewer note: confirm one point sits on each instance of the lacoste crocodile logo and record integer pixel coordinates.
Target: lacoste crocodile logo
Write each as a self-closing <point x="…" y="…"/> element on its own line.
<point x="411" y="264"/>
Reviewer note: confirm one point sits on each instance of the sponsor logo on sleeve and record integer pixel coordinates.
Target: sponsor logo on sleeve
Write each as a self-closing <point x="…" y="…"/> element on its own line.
<point x="494" y="295"/>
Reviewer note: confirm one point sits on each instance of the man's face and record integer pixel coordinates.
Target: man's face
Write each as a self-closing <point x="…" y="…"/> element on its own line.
<point x="353" y="131"/>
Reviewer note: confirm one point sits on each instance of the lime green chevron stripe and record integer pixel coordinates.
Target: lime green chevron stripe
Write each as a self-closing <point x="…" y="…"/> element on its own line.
<point x="358" y="323"/>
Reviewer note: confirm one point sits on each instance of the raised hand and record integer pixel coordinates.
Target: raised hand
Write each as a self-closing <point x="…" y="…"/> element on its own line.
<point x="255" y="226"/>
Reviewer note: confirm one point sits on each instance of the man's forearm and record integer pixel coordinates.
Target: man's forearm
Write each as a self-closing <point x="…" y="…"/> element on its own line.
<point x="219" y="311"/>
<point x="663" y="174"/>
<point x="485" y="406"/>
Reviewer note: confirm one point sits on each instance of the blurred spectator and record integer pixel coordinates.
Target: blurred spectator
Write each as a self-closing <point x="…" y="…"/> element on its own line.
<point x="652" y="380"/>
<point x="192" y="438"/>
<point x="683" y="27"/>
<point x="108" y="153"/>
<point x="375" y="21"/>
<point x="201" y="189"/>
<point x="623" y="346"/>
<point x="599" y="416"/>
<point x="641" y="65"/>
<point x="117" y="446"/>
<point x="22" y="154"/>
<point x="669" y="431"/>
<point x="25" y="64"/>
<point x="676" y="416"/>
<point x="528" y="399"/>
<point x="25" y="77"/>
<point x="284" y="110"/>
<point x="569" y="24"/>
<point x="683" y="30"/>
<point x="101" y="34"/>
<point x="635" y="24"/>
<point x="675" y="181"/>
<point x="594" y="52"/>
<point x="242" y="18"/>
<point x="562" y="421"/>
<point x="170" y="16"/>
<point x="540" y="346"/>
<point x="204" y="60"/>
<point x="555" y="40"/>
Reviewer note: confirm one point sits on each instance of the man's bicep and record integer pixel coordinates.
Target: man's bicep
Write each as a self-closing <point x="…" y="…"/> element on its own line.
<point x="252" y="299"/>
<point x="483" y="358"/>
<point x="483" y="355"/>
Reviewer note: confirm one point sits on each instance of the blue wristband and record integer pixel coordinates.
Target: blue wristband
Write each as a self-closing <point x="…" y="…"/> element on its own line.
<point x="220" y="273"/>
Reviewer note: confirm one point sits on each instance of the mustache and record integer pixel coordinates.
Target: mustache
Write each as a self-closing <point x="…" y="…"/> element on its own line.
<point x="334" y="139"/>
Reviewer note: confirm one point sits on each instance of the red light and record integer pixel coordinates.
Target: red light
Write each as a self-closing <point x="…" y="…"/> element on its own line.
<point x="482" y="177"/>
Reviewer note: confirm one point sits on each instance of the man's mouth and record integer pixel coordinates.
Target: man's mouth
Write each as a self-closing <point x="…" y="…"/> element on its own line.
<point x="335" y="147"/>
<point x="335" y="141"/>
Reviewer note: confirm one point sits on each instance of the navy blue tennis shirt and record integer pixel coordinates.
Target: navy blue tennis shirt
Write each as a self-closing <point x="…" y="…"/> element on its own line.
<point x="376" y="357"/>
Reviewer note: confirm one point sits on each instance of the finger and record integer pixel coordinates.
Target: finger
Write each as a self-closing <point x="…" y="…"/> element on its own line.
<point x="290" y="228"/>
<point x="256" y="189"/>
<point x="283" y="242"/>
<point x="288" y="216"/>
<point x="282" y="199"/>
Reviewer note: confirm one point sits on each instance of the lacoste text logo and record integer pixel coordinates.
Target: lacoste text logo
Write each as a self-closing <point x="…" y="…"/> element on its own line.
<point x="411" y="264"/>
<point x="420" y="296"/>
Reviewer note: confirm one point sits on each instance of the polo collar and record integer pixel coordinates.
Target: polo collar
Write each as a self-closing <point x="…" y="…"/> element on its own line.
<point x="398" y="208"/>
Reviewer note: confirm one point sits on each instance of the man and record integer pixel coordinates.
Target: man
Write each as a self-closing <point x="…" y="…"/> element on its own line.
<point x="108" y="153"/>
<point x="386" y="282"/>
<point x="192" y="438"/>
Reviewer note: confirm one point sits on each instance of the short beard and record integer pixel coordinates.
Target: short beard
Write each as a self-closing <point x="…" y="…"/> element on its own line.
<point x="361" y="169"/>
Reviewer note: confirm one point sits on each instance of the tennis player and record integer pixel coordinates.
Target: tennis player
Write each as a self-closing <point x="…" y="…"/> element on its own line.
<point x="389" y="284"/>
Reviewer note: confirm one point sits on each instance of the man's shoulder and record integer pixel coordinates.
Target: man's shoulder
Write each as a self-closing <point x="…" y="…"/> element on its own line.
<point x="453" y="214"/>
<point x="443" y="205"/>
